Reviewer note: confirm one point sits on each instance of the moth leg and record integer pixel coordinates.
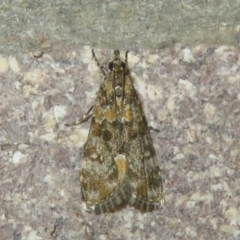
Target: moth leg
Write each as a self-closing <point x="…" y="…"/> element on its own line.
<point x="153" y="129"/>
<point x="126" y="57"/>
<point x="99" y="65"/>
<point x="83" y="119"/>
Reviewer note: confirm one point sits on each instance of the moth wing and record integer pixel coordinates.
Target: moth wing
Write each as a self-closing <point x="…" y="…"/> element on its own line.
<point x="103" y="179"/>
<point x="143" y="171"/>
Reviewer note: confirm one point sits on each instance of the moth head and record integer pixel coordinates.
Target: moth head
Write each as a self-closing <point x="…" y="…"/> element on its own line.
<point x="116" y="64"/>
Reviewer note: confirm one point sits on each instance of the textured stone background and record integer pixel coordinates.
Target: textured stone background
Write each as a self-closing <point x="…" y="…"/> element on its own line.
<point x="57" y="26"/>
<point x="190" y="92"/>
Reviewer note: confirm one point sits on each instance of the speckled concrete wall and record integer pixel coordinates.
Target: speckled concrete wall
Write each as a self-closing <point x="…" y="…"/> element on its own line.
<point x="191" y="95"/>
<point x="184" y="59"/>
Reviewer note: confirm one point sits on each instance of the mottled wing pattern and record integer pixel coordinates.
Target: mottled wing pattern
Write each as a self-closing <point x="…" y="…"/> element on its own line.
<point x="119" y="164"/>
<point x="143" y="172"/>
<point x="103" y="178"/>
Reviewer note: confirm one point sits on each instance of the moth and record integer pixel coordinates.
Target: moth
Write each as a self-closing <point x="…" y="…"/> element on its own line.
<point x="119" y="165"/>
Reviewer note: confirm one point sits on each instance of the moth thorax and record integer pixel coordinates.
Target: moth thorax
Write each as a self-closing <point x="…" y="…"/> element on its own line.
<point x="118" y="91"/>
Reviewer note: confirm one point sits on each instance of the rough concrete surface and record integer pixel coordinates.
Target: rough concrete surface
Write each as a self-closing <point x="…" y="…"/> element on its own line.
<point x="57" y="25"/>
<point x="185" y="61"/>
<point x="191" y="95"/>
